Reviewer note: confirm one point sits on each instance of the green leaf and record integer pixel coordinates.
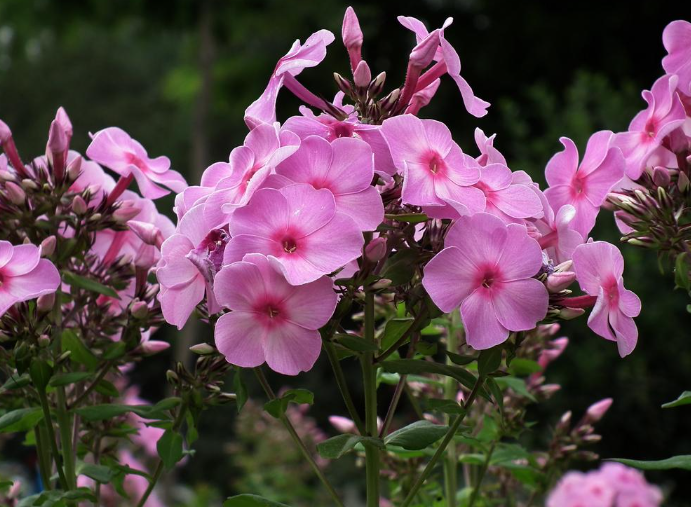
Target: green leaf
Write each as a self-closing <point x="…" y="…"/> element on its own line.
<point x="489" y="431"/>
<point x="107" y="388"/>
<point x="458" y="359"/>
<point x="22" y="419"/>
<point x="240" y="388"/>
<point x="278" y="406"/>
<point x="406" y="366"/>
<point x="40" y="372"/>
<point x="445" y="406"/>
<point x="109" y="411"/>
<point x="411" y="218"/>
<point x="337" y="446"/>
<point x="489" y="360"/>
<point x="494" y="388"/>
<point x="70" y="341"/>
<point x="416" y="436"/>
<point x="16" y="382"/>
<point x="523" y="367"/>
<point x="356" y="343"/>
<point x="683" y="399"/>
<point x="64" y="379"/>
<point x="517" y="384"/>
<point x="395" y="328"/>
<point x="426" y="348"/>
<point x="683" y="462"/>
<point x="82" y="282"/>
<point x="681" y="272"/>
<point x="400" y="268"/>
<point x="169" y="448"/>
<point x="99" y="473"/>
<point x="251" y="501"/>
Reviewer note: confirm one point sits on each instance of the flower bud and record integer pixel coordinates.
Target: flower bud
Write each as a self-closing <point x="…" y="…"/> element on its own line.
<point x="564" y="266"/>
<point x="202" y="349"/>
<point x="64" y="121"/>
<point x="381" y="284"/>
<point x="342" y="424"/>
<point x="5" y="132"/>
<point x="351" y="31"/>
<point x="570" y="313"/>
<point x="95" y="217"/>
<point x="152" y="291"/>
<point x="548" y="390"/>
<point x="343" y="84"/>
<point x="375" y="249"/>
<point x="74" y="168"/>
<point x="587" y="456"/>
<point x="423" y="54"/>
<point x="148" y="233"/>
<point x="152" y="347"/>
<point x="567" y="449"/>
<point x="362" y="75"/>
<point x="564" y="422"/>
<point x="6" y="176"/>
<point x="558" y="281"/>
<point x="592" y="439"/>
<point x="126" y="212"/>
<point x="48" y="246"/>
<point x="661" y="176"/>
<point x="28" y="184"/>
<point x="57" y="138"/>
<point x="171" y="376"/>
<point x="139" y="309"/>
<point x="376" y="86"/>
<point x="79" y="205"/>
<point x="45" y="303"/>
<point x="388" y="102"/>
<point x="597" y="410"/>
<point x="43" y="341"/>
<point x="15" y="193"/>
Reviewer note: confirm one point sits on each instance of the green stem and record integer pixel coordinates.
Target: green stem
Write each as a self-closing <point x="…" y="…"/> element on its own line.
<point x="343" y="385"/>
<point x="101" y="375"/>
<point x="450" y="392"/>
<point x="51" y="437"/>
<point x="481" y="476"/>
<point x="43" y="455"/>
<point x="65" y="427"/>
<point x="419" y="319"/>
<point x="177" y="424"/>
<point x="298" y="441"/>
<point x="442" y="447"/>
<point x="370" y="387"/>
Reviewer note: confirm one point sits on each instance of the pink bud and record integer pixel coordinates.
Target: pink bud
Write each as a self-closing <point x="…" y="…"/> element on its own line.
<point x="597" y="410"/>
<point x="423" y="54"/>
<point x="5" y="132"/>
<point x="48" y="246"/>
<point x="342" y="424"/>
<point x="661" y="176"/>
<point x="46" y="302"/>
<point x="375" y="249"/>
<point x="351" y="32"/>
<point x="125" y="213"/>
<point x="139" y="309"/>
<point x="15" y="193"/>
<point x="558" y="281"/>
<point x="683" y="182"/>
<point x="64" y="121"/>
<point x="548" y="390"/>
<point x="79" y="205"/>
<point x="57" y="138"/>
<point x="74" y="168"/>
<point x="570" y="313"/>
<point x="423" y="97"/>
<point x="153" y="347"/>
<point x="362" y="75"/>
<point x="148" y="233"/>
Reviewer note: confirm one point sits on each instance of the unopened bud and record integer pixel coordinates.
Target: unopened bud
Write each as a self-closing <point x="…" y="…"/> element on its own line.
<point x="342" y="424"/>
<point x="6" y="176"/>
<point x="376" y="86"/>
<point x="43" y="341"/>
<point x="126" y="213"/>
<point x="548" y="390"/>
<point x="64" y="356"/>
<point x="64" y="121"/>
<point x="139" y="309"/>
<point x="125" y="260"/>
<point x="15" y="193"/>
<point x="95" y="217"/>
<point x="661" y="176"/>
<point x="587" y="456"/>
<point x="4" y="337"/>
<point x="79" y="205"/>
<point x="592" y="439"/>
<point x="351" y="31"/>
<point x="597" y="410"/>
<point x="558" y="281"/>
<point x="362" y="75"/>
<point x="375" y="250"/>
<point x="151" y="347"/>
<point x="172" y="377"/>
<point x="565" y="421"/>
<point x="28" y="184"/>
<point x="570" y="313"/>
<point x="381" y="284"/>
<point x="343" y="84"/>
<point x="564" y="266"/>
<point x="57" y="138"/>
<point x="48" y="246"/>
<point x="74" y="168"/>
<point x="92" y="189"/>
<point x="567" y="449"/>
<point x="202" y="349"/>
<point x="152" y="291"/>
<point x="46" y="302"/>
<point x="148" y="233"/>
<point x="423" y="54"/>
<point x="5" y="132"/>
<point x="388" y="102"/>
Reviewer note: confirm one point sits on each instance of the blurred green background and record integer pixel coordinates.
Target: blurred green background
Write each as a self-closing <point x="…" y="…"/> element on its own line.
<point x="178" y="74"/>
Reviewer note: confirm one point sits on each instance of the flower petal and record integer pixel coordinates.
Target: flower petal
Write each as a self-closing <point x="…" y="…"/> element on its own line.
<point x="290" y="349"/>
<point x="240" y="338"/>
<point x="483" y="329"/>
<point x="520" y="304"/>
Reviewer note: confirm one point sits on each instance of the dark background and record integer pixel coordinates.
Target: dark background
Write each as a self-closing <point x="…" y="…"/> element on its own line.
<point x="177" y="75"/>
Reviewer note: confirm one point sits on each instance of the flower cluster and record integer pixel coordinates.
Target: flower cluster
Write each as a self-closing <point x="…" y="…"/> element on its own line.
<point x="613" y="485"/>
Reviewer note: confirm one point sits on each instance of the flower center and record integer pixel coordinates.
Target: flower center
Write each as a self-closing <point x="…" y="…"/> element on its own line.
<point x="289" y="245"/>
<point x="650" y="128"/>
<point x="435" y="164"/>
<point x="135" y="161"/>
<point x="272" y="311"/>
<point x="487" y="281"/>
<point x="342" y="130"/>
<point x="611" y="290"/>
<point x="578" y="185"/>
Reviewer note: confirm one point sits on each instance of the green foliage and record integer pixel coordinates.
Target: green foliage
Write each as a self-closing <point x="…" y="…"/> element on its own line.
<point x="683" y="462"/>
<point x="416" y="436"/>
<point x="683" y="399"/>
<point x="169" y="448"/>
<point x="251" y="501"/>
<point x="278" y="406"/>
<point x="337" y="446"/>
<point x="21" y="419"/>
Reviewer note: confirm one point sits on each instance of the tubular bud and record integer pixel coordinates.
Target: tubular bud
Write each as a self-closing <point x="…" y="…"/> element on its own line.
<point x="362" y="76"/>
<point x="15" y="193"/>
<point x="48" y="246"/>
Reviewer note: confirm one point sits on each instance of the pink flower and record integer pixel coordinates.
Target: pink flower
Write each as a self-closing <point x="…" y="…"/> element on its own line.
<point x="448" y="62"/>
<point x="271" y="320"/>
<point x="300" y="56"/>
<point x="488" y="153"/>
<point x="647" y="130"/>
<point x="558" y="239"/>
<point x="299" y="229"/>
<point x="677" y="41"/>
<point x="24" y="275"/>
<point x="577" y="489"/>
<point x="345" y="168"/>
<point x="632" y="488"/>
<point x="487" y="269"/>
<point x="507" y="195"/>
<point x="190" y="259"/>
<point x="115" y="149"/>
<point x="434" y="168"/>
<point x="584" y="187"/>
<point x="599" y="267"/>
<point x="250" y="164"/>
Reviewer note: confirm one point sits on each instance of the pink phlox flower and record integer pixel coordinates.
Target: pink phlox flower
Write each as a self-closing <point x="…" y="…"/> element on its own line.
<point x="487" y="267"/>
<point x="271" y="320"/>
<point x="115" y="149"/>
<point x="190" y="259"/>
<point x="300" y="57"/>
<point x="300" y="230"/>
<point x="584" y="186"/>
<point x="677" y="41"/>
<point x="435" y="170"/>
<point x="577" y="489"/>
<point x="345" y="168"/>
<point x="488" y="153"/>
<point x="509" y="196"/>
<point x="632" y="488"/>
<point x="24" y="275"/>
<point x="599" y="267"/>
<point x="448" y="62"/>
<point x="250" y="164"/>
<point x="557" y="236"/>
<point x="648" y="129"/>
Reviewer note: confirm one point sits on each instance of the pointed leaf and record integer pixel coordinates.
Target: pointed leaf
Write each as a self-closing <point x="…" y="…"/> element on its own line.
<point x="416" y="436"/>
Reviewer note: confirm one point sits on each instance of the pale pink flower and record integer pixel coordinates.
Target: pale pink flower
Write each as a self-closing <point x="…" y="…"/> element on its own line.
<point x="599" y="267"/>
<point x="271" y="320"/>
<point x="509" y="196"/>
<point x="24" y="275"/>
<point x="487" y="269"/>
<point x="434" y="168"/>
<point x="448" y="62"/>
<point x="677" y="41"/>
<point x="345" y="168"/>
<point x="299" y="229"/>
<point x="115" y="149"/>
<point x="300" y="57"/>
<point x="647" y="130"/>
<point x="250" y="164"/>
<point x="190" y="259"/>
<point x="577" y="489"/>
<point x="632" y="488"/>
<point x="584" y="186"/>
<point x="488" y="153"/>
<point x="558" y="238"/>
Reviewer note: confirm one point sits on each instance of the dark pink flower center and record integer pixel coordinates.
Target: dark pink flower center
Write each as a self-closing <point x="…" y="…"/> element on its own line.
<point x="435" y="163"/>
<point x="208" y="256"/>
<point x="249" y="175"/>
<point x="651" y="127"/>
<point x="578" y="185"/>
<point x="135" y="161"/>
<point x="487" y="276"/>
<point x="271" y="311"/>
<point x="342" y="129"/>
<point x="611" y="290"/>
<point x="289" y="245"/>
<point x="2" y="279"/>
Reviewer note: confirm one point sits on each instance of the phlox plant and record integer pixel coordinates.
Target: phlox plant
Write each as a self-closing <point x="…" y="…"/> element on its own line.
<point x="356" y="229"/>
